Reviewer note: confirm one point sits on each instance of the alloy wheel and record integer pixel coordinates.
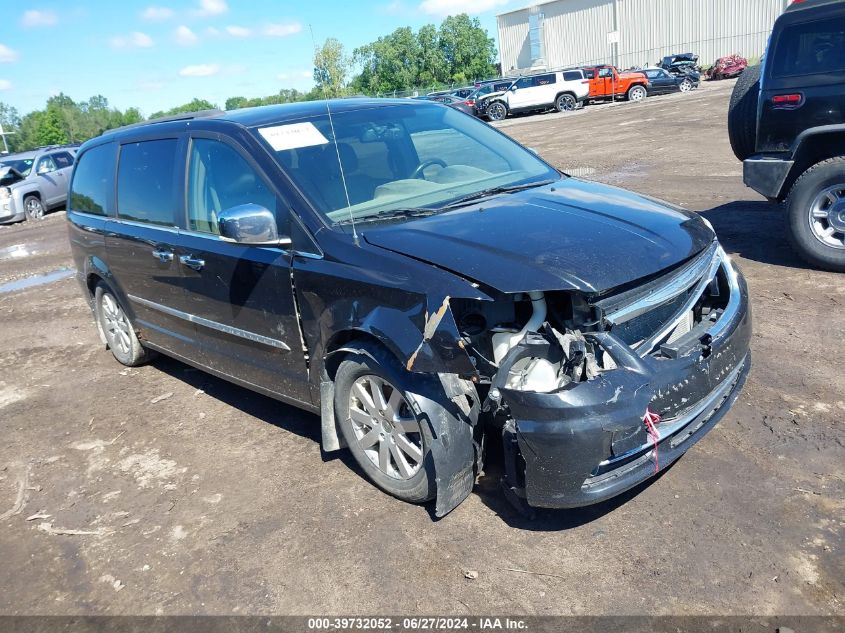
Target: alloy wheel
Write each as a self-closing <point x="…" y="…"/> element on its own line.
<point x="34" y="209"/>
<point x="637" y="94"/>
<point x="496" y="111"/>
<point x="116" y="326"/>
<point x="565" y="103"/>
<point x="827" y="217"/>
<point x="686" y="85"/>
<point x="385" y="427"/>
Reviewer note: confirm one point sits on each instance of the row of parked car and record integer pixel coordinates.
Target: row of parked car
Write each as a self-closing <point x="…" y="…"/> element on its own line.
<point x="563" y="90"/>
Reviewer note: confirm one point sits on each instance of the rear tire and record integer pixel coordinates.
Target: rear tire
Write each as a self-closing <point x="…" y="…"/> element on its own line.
<point x="685" y="86"/>
<point x="742" y="113"/>
<point x="565" y="103"/>
<point x="497" y="111"/>
<point x="33" y="208"/>
<point x="382" y="435"/>
<point x="117" y="329"/>
<point x="816" y="215"/>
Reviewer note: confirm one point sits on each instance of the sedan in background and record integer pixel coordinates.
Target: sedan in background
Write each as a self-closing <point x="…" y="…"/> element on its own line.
<point x="464" y="105"/>
<point x="662" y="81"/>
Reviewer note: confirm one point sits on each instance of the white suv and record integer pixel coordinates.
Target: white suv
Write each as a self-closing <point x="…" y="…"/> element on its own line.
<point x="563" y="90"/>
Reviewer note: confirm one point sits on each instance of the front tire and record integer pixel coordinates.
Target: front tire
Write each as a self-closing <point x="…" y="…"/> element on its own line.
<point x="816" y="215"/>
<point x="388" y="440"/>
<point x="685" y="86"/>
<point x="33" y="208"/>
<point x="497" y="111"/>
<point x="117" y="329"/>
<point x="637" y="93"/>
<point x="565" y="103"/>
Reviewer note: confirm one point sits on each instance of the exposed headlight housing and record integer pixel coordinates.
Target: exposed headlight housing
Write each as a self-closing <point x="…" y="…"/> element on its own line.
<point x="5" y="193"/>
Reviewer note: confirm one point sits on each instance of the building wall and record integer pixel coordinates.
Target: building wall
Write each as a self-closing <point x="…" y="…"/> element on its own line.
<point x="575" y="31"/>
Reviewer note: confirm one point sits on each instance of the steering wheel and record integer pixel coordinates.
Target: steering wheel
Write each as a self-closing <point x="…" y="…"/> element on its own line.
<point x="418" y="172"/>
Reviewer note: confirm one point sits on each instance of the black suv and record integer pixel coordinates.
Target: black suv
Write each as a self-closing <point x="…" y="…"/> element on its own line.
<point x="787" y="123"/>
<point x="419" y="280"/>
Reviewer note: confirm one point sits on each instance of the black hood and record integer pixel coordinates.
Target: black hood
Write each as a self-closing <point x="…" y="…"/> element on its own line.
<point x="573" y="235"/>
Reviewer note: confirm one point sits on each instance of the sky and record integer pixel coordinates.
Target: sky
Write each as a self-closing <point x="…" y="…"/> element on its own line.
<point x="157" y="54"/>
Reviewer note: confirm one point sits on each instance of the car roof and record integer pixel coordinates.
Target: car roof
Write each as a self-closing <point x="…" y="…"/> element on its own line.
<point x="261" y="115"/>
<point x="21" y="155"/>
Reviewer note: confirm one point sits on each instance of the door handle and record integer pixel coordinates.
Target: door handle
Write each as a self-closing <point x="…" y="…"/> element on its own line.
<point x="192" y="262"/>
<point x="163" y="255"/>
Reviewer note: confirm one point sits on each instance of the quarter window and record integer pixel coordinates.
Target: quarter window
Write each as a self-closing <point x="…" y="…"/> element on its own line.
<point x="93" y="181"/>
<point x="218" y="179"/>
<point x="62" y="160"/>
<point x="571" y="76"/>
<point x="145" y="181"/>
<point x="810" y="48"/>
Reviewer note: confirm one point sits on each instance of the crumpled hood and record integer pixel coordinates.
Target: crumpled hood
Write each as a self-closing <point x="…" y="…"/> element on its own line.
<point x="573" y="235"/>
<point x="9" y="175"/>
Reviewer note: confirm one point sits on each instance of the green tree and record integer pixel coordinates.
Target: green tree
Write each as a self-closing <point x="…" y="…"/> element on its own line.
<point x="467" y="50"/>
<point x="50" y="129"/>
<point x="11" y="122"/>
<point x="195" y="105"/>
<point x="331" y="67"/>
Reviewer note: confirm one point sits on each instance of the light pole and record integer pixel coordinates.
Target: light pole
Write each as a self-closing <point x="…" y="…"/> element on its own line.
<point x="5" y="144"/>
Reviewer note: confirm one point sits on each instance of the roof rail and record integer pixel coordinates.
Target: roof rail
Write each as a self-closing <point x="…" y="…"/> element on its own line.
<point x="182" y="116"/>
<point x="57" y="146"/>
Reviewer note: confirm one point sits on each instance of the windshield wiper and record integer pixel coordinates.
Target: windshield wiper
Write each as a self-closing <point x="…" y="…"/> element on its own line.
<point x="389" y="214"/>
<point x="486" y="193"/>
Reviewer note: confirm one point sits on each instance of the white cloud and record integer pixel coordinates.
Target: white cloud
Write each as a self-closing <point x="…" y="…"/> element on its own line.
<point x="213" y="31"/>
<point x="212" y="7"/>
<point x="307" y="74"/>
<point x="454" y="7"/>
<point x="282" y="76"/>
<point x="33" y="18"/>
<point x="7" y="55"/>
<point x="281" y="29"/>
<point x="5" y="84"/>
<point x="155" y="14"/>
<point x="238" y="31"/>
<point x="185" y="36"/>
<point x="133" y="40"/>
<point x="200" y="70"/>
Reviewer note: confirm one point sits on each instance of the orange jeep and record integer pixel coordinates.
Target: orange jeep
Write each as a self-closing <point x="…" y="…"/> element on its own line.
<point x="606" y="82"/>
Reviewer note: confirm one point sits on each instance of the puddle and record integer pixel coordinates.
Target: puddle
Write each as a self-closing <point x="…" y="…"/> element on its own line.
<point x="37" y="280"/>
<point x="17" y="251"/>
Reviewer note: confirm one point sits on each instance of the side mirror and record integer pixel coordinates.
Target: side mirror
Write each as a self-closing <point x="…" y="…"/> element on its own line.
<point x="250" y="224"/>
<point x="513" y="88"/>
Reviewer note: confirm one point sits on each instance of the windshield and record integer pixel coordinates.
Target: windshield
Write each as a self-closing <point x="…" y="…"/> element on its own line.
<point x="23" y="165"/>
<point x="398" y="157"/>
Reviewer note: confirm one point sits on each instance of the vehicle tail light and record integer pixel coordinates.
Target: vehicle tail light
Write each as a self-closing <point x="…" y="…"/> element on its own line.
<point x="470" y="102"/>
<point x="585" y="81"/>
<point x="788" y="101"/>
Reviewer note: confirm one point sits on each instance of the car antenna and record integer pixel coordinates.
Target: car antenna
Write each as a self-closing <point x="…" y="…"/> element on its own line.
<point x="334" y="140"/>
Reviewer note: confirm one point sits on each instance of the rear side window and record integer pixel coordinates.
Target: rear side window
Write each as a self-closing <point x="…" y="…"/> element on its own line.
<point x="93" y="181"/>
<point x="62" y="160"/>
<point x="810" y="48"/>
<point x="572" y="75"/>
<point x="544" y="80"/>
<point x="145" y="181"/>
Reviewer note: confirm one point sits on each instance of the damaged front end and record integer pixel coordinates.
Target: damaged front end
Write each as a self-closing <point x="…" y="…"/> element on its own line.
<point x="594" y="394"/>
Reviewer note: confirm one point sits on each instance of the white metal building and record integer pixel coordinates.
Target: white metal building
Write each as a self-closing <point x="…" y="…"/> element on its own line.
<point x="560" y="33"/>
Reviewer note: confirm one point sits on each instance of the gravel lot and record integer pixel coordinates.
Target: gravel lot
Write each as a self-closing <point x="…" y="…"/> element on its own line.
<point x="195" y="496"/>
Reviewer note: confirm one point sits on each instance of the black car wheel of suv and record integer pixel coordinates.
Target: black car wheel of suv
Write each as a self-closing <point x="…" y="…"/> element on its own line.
<point x="117" y="329"/>
<point x="816" y="215"/>
<point x="565" y="103"/>
<point x="742" y="113"/>
<point x="497" y="111"/>
<point x="33" y="208"/>
<point x="388" y="440"/>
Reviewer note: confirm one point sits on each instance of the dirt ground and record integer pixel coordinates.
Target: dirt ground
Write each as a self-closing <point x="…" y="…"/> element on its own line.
<point x="195" y="496"/>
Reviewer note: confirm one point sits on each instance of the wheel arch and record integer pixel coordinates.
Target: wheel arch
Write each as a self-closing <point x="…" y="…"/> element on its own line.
<point x="812" y="147"/>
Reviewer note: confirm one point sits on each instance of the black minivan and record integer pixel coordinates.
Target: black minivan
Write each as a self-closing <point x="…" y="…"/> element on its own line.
<point x="420" y="281"/>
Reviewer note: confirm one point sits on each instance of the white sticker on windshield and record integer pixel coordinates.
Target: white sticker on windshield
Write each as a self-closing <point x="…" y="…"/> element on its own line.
<point x="293" y="136"/>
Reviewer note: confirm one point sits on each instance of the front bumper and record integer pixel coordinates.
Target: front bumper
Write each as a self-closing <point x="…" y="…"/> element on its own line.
<point x="8" y="210"/>
<point x="587" y="443"/>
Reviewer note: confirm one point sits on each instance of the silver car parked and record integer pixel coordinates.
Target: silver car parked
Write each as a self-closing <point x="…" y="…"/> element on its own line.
<point x="31" y="183"/>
